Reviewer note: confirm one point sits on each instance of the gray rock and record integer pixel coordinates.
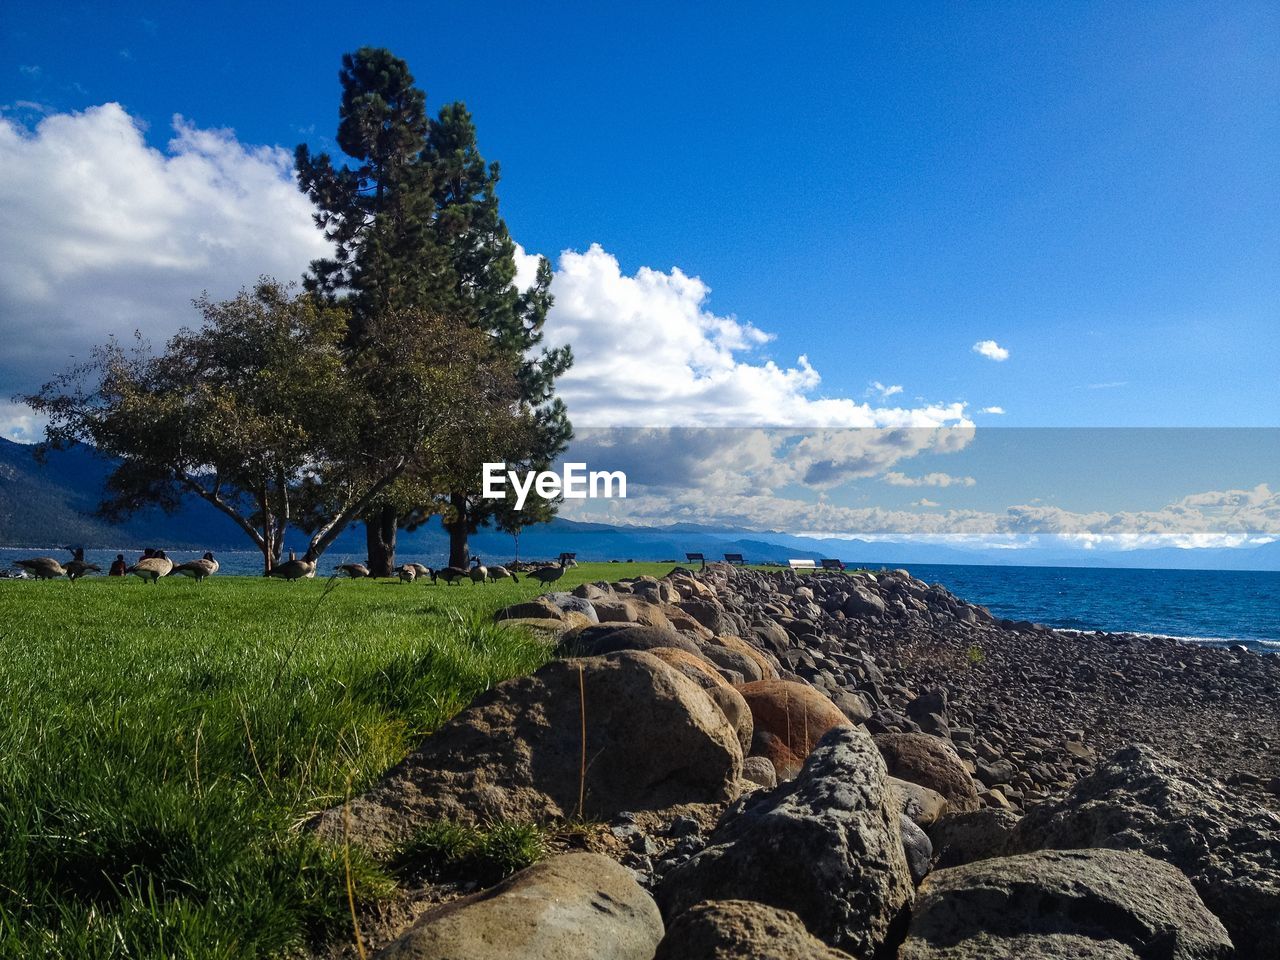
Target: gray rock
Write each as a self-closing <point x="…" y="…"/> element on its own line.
<point x="654" y="739"/>
<point x="852" y="704"/>
<point x="602" y="638"/>
<point x="577" y="906"/>
<point x="1126" y="900"/>
<point x="826" y="845"/>
<point x="863" y="603"/>
<point x="760" y="770"/>
<point x="734" y="929"/>
<point x="922" y="805"/>
<point x="917" y="848"/>
<point x="960" y="838"/>
<point x="570" y="603"/>
<point x="1137" y="800"/>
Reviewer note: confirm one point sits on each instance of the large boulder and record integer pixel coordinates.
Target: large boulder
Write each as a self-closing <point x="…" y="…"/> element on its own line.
<point x="1228" y="846"/>
<point x="765" y="663"/>
<point x="601" y="638"/>
<point x="734" y="929"/>
<point x="736" y="712"/>
<point x="790" y="718"/>
<point x="1062" y="903"/>
<point x="826" y="846"/>
<point x="577" y="906"/>
<point x="690" y="665"/>
<point x="931" y="762"/>
<point x="654" y="739"/>
<point x="960" y="838"/>
<point x="863" y="603"/>
<point x="709" y="613"/>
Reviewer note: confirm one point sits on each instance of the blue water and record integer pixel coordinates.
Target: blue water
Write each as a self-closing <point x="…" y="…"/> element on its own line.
<point x="1201" y="606"/>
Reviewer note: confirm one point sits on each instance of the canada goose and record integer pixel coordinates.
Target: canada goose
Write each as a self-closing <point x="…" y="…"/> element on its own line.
<point x="353" y="570"/>
<point x="293" y="569"/>
<point x="206" y="566"/>
<point x="407" y="573"/>
<point x="42" y="568"/>
<point x="479" y="572"/>
<point x="449" y="575"/>
<point x="152" y="568"/>
<point x="78" y="568"/>
<point x="422" y="570"/>
<point x="545" y="575"/>
<point x="501" y="573"/>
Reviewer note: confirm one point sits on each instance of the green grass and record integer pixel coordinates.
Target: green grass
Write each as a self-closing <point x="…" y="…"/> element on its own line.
<point x="159" y="747"/>
<point x="445" y="850"/>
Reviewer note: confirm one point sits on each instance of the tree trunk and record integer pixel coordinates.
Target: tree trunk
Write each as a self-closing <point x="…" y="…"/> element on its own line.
<point x="459" y="551"/>
<point x="380" y="538"/>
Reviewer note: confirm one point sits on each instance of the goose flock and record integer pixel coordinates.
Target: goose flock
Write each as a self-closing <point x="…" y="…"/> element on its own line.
<point x="154" y="564"/>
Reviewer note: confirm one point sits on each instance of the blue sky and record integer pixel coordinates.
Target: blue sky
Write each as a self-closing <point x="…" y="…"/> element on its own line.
<point x="1094" y="186"/>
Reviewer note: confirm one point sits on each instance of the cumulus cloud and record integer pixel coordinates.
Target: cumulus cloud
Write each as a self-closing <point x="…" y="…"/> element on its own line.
<point x="1196" y="521"/>
<point x="991" y="350"/>
<point x="650" y="352"/>
<point x="928" y="480"/>
<point x="102" y="234"/>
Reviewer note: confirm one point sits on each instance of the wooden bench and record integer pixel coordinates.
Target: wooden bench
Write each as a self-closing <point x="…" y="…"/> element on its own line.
<point x="696" y="558"/>
<point x="802" y="565"/>
<point x="735" y="558"/>
<point x="832" y="565"/>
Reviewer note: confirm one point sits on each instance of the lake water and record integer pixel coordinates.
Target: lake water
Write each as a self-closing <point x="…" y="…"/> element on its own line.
<point x="1200" y="606"/>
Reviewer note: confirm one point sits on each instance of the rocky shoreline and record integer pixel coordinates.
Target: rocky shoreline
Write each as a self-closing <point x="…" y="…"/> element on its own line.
<point x="744" y="764"/>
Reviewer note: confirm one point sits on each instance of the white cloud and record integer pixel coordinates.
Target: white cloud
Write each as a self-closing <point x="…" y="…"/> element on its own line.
<point x="650" y="353"/>
<point x="925" y="502"/>
<point x="991" y="350"/>
<point x="101" y="233"/>
<point x="998" y="411"/>
<point x="928" y="480"/>
<point x="885" y="392"/>
<point x="1181" y="524"/>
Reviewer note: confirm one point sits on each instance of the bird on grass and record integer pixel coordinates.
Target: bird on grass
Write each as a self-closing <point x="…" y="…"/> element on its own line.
<point x="449" y="575"/>
<point x="152" y="568"/>
<point x="78" y="568"/>
<point x="353" y="570"/>
<point x="502" y="573"/>
<point x="407" y="573"/>
<point x="545" y="575"/>
<point x="423" y="571"/>
<point x="293" y="569"/>
<point x="42" y="568"/>
<point x="206" y="566"/>
<point x="478" y="572"/>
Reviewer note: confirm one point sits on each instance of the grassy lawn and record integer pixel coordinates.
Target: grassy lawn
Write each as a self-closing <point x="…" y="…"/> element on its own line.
<point x="160" y="745"/>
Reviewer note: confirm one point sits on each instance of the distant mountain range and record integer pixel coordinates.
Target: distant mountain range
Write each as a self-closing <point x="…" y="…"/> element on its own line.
<point x="52" y="504"/>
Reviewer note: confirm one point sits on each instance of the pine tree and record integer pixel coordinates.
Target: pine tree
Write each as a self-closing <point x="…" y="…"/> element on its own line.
<point x="416" y="224"/>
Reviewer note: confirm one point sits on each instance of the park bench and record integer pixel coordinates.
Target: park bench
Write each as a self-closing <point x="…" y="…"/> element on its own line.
<point x="734" y="558"/>
<point x="832" y="565"/>
<point x="802" y="565"/>
<point x="695" y="558"/>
